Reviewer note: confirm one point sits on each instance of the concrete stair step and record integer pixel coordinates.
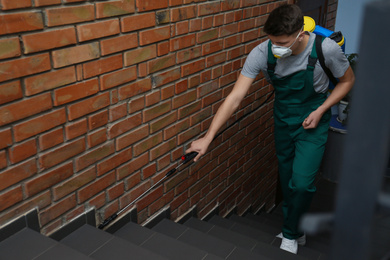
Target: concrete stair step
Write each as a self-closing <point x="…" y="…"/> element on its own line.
<point x="29" y="244"/>
<point x="161" y="244"/>
<point x="101" y="245"/>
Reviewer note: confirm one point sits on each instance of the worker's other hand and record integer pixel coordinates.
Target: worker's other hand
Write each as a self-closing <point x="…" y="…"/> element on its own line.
<point x="200" y="146"/>
<point x="312" y="120"/>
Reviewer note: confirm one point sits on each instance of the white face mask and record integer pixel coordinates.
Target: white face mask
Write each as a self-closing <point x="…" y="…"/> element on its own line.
<point x="281" y="51"/>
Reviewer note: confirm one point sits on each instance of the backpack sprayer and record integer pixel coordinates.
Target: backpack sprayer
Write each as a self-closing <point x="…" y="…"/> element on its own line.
<point x="183" y="160"/>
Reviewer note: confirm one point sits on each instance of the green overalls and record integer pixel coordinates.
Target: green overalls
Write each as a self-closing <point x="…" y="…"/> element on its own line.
<point x="299" y="151"/>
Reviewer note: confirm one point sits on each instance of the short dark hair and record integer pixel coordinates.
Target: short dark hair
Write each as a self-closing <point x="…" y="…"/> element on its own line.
<point x="284" y="20"/>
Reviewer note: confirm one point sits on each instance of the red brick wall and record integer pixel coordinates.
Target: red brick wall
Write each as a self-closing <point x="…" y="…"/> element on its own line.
<point x="99" y="98"/>
<point x="331" y="14"/>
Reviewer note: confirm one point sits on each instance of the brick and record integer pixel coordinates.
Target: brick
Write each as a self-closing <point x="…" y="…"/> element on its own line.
<point x="181" y="86"/>
<point x="208" y="35"/>
<point x="195" y="25"/>
<point x="184" y="99"/>
<point x="148" y="171"/>
<point x="74" y="55"/>
<point x="76" y="129"/>
<point x="39" y="124"/>
<point x="192" y="68"/>
<point x="162" y="17"/>
<point x="182" y="28"/>
<point x="232" y="41"/>
<point x="61" y="154"/>
<point x="230" y="5"/>
<point x="17" y="110"/>
<point x="154" y="35"/>
<point x="88" y="106"/>
<point x="236" y="52"/>
<point x="120" y="43"/>
<point x="218" y="20"/>
<point x="173" y="130"/>
<point x="10" y="91"/>
<point x="11" y="197"/>
<point x="183" y="13"/>
<point x="49" y="40"/>
<point x="50" y="80"/>
<point x="95" y="155"/>
<point x="39" y="3"/>
<point x="124" y="125"/>
<point x="138" y="22"/>
<point x="156" y="111"/>
<point x="215" y="59"/>
<point x="20" y="152"/>
<point x="117" y="78"/>
<point x="117" y="112"/>
<point x="25" y="66"/>
<point x="73" y="183"/>
<point x="3" y="160"/>
<point x="200" y="116"/>
<point x="150" y="197"/>
<point x="17" y="173"/>
<point x="95" y="30"/>
<point x="207" y="22"/>
<point x="167" y="92"/>
<point x="131" y="137"/>
<point x="49" y="179"/>
<point x="97" y="120"/>
<point x="57" y="210"/>
<point x="189" y="54"/>
<point x="152" y="98"/>
<point x="147" y="144"/>
<point x="227" y="30"/>
<point x="190" y="109"/>
<point x="95" y="187"/>
<point x="163" y="48"/>
<point x="139" y="55"/>
<point x="116" y="191"/>
<point x="101" y="66"/>
<point x="10" y="48"/>
<point x="182" y="42"/>
<point x="212" y="47"/>
<point x="147" y="5"/>
<point x="129" y="168"/>
<point x="250" y="35"/>
<point x="114" y="8"/>
<point x="20" y="22"/>
<point x="11" y="4"/>
<point x="166" y="77"/>
<point x="97" y="137"/>
<point x="76" y="91"/>
<point x="209" y="8"/>
<point x="246" y="25"/>
<point x="114" y="161"/>
<point x="163" y="122"/>
<point x="135" y="88"/>
<point x="70" y="15"/>
<point x="51" y="139"/>
<point x="161" y="63"/>
<point x="175" y="2"/>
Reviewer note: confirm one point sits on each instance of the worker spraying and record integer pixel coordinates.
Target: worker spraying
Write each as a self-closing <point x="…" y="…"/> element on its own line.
<point x="290" y="63"/>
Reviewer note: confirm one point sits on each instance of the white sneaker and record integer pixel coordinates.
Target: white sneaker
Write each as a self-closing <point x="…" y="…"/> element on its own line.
<point x="301" y="240"/>
<point x="289" y="245"/>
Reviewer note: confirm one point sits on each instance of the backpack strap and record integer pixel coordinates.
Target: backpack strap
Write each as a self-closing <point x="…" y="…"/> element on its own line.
<point x="321" y="59"/>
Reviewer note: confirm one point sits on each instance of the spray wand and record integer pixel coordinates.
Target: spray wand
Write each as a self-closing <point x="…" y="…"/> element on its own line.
<point x="184" y="159"/>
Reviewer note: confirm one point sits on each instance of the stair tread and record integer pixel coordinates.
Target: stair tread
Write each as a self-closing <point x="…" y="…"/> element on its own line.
<point x="33" y="242"/>
<point x="127" y="232"/>
<point x="120" y="249"/>
<point x="174" y="249"/>
<point x="195" y="238"/>
<point x="160" y="243"/>
<point x="86" y="239"/>
<point x="269" y="229"/>
<point x="99" y="244"/>
<point x="242" y="229"/>
<point x="62" y="252"/>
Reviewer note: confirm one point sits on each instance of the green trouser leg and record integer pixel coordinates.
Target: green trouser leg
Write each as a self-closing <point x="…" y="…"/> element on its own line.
<point x="299" y="162"/>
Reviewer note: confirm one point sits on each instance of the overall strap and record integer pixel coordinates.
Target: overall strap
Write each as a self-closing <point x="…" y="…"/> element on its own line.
<point x="319" y="40"/>
<point x="271" y="61"/>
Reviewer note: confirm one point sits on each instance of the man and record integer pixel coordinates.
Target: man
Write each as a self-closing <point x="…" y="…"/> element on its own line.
<point x="301" y="108"/>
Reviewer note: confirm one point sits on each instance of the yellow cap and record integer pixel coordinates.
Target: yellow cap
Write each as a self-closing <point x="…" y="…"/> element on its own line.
<point x="309" y="24"/>
<point x="341" y="43"/>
